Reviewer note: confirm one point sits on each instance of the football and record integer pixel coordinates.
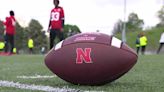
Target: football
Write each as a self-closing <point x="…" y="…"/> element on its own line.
<point x="90" y="59"/>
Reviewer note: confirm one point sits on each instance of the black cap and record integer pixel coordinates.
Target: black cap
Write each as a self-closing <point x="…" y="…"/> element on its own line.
<point x="57" y="1"/>
<point x="11" y="13"/>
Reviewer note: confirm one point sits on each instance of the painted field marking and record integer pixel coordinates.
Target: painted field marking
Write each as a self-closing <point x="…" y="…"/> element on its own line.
<point x="35" y="77"/>
<point x="35" y="87"/>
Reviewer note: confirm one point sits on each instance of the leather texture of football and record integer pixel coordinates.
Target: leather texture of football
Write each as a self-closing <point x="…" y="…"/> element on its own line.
<point x="90" y="59"/>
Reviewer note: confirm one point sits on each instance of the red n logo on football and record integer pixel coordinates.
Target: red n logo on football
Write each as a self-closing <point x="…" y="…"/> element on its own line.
<point x="83" y="55"/>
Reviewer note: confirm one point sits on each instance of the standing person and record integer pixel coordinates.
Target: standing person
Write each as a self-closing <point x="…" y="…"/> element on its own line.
<point x="161" y="41"/>
<point x="43" y="50"/>
<point x="30" y="45"/>
<point x="10" y="24"/>
<point x="14" y="50"/>
<point x="138" y="43"/>
<point x="143" y="42"/>
<point x="2" y="45"/>
<point x="56" y="23"/>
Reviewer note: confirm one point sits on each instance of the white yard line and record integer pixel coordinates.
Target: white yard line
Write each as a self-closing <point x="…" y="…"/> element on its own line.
<point x="93" y="91"/>
<point x="35" y="87"/>
<point x="35" y="77"/>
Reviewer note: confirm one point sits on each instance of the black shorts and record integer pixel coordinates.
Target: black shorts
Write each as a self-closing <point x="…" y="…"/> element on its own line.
<point x="1" y="50"/>
<point x="53" y="34"/>
<point x="56" y="33"/>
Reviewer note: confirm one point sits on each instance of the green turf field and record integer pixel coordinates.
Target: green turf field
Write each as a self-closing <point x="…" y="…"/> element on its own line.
<point x="146" y="76"/>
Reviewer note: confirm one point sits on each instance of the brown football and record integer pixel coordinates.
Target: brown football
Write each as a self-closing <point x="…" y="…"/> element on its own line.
<point x="90" y="59"/>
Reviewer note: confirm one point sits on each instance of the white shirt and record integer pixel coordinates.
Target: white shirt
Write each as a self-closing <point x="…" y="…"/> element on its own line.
<point x="162" y="38"/>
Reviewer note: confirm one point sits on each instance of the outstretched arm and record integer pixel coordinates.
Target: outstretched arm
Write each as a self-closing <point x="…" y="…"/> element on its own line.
<point x="62" y="19"/>
<point x="49" y="26"/>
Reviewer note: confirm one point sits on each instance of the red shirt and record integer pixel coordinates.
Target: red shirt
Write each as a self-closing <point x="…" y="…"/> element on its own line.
<point x="56" y="17"/>
<point x="10" y="25"/>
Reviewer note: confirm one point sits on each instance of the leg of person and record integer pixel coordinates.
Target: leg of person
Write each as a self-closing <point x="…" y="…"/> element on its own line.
<point x="138" y="48"/>
<point x="30" y="51"/>
<point x="143" y="50"/>
<point x="160" y="46"/>
<point x="52" y="38"/>
<point x="6" y="47"/>
<point x="61" y="35"/>
<point x="6" y="43"/>
<point x="12" y="43"/>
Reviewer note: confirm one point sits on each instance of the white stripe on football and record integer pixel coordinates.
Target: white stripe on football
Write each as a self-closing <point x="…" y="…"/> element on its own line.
<point x="116" y="42"/>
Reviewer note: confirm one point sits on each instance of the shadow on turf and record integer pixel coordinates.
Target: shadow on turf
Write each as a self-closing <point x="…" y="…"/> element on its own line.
<point x="113" y="85"/>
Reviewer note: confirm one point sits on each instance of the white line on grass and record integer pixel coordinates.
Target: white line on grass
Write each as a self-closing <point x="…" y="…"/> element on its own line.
<point x="35" y="77"/>
<point x="35" y="87"/>
<point x="93" y="91"/>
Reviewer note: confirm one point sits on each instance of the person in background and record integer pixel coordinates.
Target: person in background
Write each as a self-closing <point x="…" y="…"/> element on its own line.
<point x="143" y="42"/>
<point x="30" y="45"/>
<point x="138" y="43"/>
<point x="161" y="41"/>
<point x="14" y="50"/>
<point x="9" y="32"/>
<point x="43" y="49"/>
<point x="56" y="23"/>
<point x="2" y="45"/>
